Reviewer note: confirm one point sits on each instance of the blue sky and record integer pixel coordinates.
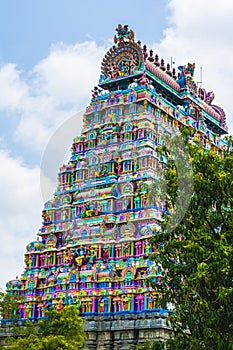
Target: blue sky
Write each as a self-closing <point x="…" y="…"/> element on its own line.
<point x="28" y="28"/>
<point x="50" y="55"/>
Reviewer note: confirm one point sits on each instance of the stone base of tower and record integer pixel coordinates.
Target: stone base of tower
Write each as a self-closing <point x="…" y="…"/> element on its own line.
<point x="116" y="332"/>
<point x="124" y="332"/>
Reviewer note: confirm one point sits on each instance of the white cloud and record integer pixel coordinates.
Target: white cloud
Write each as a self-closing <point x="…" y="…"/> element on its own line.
<point x="20" y="214"/>
<point x="202" y="32"/>
<point x="13" y="89"/>
<point x="62" y="85"/>
<point x="57" y="87"/>
<point x="69" y="72"/>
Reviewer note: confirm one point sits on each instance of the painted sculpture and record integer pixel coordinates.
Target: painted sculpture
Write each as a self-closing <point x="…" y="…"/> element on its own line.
<point x="93" y="249"/>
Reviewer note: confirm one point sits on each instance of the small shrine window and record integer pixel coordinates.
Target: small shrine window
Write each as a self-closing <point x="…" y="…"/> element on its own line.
<point x="127" y="137"/>
<point x="144" y="162"/>
<point x="58" y="216"/>
<point x="92" y="171"/>
<point x="138" y="247"/>
<point x="96" y="107"/>
<point x="64" y="178"/>
<point x="150" y="135"/>
<point x="127" y="127"/>
<point x="128" y="188"/>
<point x="104" y="206"/>
<point x="96" y="116"/>
<point x="127" y="165"/>
<point x="80" y="175"/>
<point x="113" y="138"/>
<point x="78" y="210"/>
<point x="94" y="160"/>
<point x="132" y="98"/>
<point x="66" y="200"/>
<point x="137" y="203"/>
<point x="65" y="215"/>
<point x="119" y="206"/>
<point x="91" y="136"/>
<point x="110" y="205"/>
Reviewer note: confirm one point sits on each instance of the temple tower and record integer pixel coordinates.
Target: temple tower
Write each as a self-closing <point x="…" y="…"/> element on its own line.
<point x="93" y="249"/>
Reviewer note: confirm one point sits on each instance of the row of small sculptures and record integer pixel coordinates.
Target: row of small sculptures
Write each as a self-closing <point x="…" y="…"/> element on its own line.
<point x="110" y="271"/>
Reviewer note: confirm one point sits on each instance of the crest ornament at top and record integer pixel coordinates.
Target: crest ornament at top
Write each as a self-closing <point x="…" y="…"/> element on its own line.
<point x="123" y="34"/>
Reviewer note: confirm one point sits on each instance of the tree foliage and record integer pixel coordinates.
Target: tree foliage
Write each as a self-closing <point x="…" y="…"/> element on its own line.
<point x="8" y="305"/>
<point x="56" y="331"/>
<point x="197" y="255"/>
<point x="150" y="345"/>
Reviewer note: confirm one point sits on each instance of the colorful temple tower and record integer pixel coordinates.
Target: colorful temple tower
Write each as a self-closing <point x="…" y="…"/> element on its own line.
<point x="93" y="249"/>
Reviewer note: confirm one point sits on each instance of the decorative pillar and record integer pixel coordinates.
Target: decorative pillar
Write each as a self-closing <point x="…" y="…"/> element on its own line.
<point x="42" y="258"/>
<point x="109" y="303"/>
<point x="136" y="246"/>
<point x="30" y="310"/>
<point x="142" y="247"/>
<point x="99" y="252"/>
<point x="59" y="258"/>
<point x="132" y="248"/>
<point x="34" y="309"/>
<point x="112" y="251"/>
<point x="37" y="260"/>
<point x="145" y="302"/>
<point x="22" y="311"/>
<point x="132" y="302"/>
<point x="129" y="303"/>
<point x="54" y="258"/>
<point x="93" y="309"/>
<point x="106" y="302"/>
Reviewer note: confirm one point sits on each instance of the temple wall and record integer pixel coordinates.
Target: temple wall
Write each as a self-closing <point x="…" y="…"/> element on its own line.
<point x="118" y="332"/>
<point x="124" y="332"/>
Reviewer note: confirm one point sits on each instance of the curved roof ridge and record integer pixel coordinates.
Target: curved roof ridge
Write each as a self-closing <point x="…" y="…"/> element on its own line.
<point x="162" y="75"/>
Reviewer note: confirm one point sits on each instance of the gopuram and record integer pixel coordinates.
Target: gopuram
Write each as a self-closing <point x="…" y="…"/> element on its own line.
<point x="93" y="248"/>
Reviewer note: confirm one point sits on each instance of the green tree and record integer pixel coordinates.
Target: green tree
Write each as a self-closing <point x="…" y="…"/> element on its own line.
<point x="8" y="305"/>
<point x="56" y="331"/>
<point x="197" y="255"/>
<point x="150" y="345"/>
